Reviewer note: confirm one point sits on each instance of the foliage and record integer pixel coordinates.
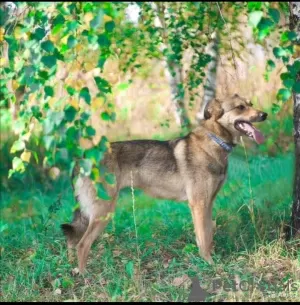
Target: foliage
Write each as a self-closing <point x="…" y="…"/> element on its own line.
<point x="264" y="17"/>
<point x="45" y="38"/>
<point x="45" y="35"/>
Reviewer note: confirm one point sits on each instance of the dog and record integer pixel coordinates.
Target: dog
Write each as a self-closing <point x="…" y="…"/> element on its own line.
<point x="191" y="168"/>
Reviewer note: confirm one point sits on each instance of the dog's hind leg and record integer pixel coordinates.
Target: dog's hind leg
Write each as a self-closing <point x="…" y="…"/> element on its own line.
<point x="102" y="215"/>
<point x="92" y="219"/>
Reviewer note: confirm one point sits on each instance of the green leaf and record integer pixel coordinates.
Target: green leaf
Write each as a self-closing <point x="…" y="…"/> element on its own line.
<point x="279" y="52"/>
<point x="90" y="131"/>
<point x="49" y="91"/>
<point x="105" y="116"/>
<point x="285" y="75"/>
<point x="70" y="113"/>
<point x="36" y="112"/>
<point x="288" y="36"/>
<point x="123" y="86"/>
<point x="56" y="29"/>
<point x="270" y="65"/>
<point x="113" y="117"/>
<point x="48" y="46"/>
<point x="85" y="166"/>
<point x="294" y="68"/>
<point x="92" y="39"/>
<point x="18" y="164"/>
<point x="58" y="55"/>
<point x="49" y="61"/>
<point x="58" y="20"/>
<point x="109" y="26"/>
<point x="254" y="6"/>
<point x="62" y="154"/>
<point x="264" y="27"/>
<point x="97" y="19"/>
<point x="85" y="94"/>
<point x="85" y="116"/>
<point x="17" y="146"/>
<point x="275" y="108"/>
<point x="275" y="15"/>
<point x="48" y="125"/>
<point x="94" y="154"/>
<point x="283" y="94"/>
<point x="288" y="83"/>
<point x="102" y="192"/>
<point x="110" y="178"/>
<point x="101" y="62"/>
<point x="3" y="17"/>
<point x="72" y="25"/>
<point x="35" y="155"/>
<point x="102" y="84"/>
<point x="48" y="140"/>
<point x="39" y="34"/>
<point x="43" y="74"/>
<point x="103" y="41"/>
<point x="87" y="7"/>
<point x="71" y="90"/>
<point x="73" y="134"/>
<point x="296" y="87"/>
<point x="72" y="41"/>
<point x="53" y="118"/>
<point x="254" y="18"/>
<point x="103" y="144"/>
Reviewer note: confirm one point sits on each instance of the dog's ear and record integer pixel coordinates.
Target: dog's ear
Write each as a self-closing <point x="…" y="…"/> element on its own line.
<point x="213" y="109"/>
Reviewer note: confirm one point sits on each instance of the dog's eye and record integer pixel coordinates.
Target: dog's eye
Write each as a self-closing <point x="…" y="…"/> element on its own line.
<point x="241" y="107"/>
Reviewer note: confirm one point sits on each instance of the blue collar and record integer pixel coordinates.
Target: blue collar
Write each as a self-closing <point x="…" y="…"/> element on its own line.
<point x="226" y="146"/>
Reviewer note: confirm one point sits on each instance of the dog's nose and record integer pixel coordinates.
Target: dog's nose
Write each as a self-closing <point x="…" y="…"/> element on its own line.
<point x="263" y="116"/>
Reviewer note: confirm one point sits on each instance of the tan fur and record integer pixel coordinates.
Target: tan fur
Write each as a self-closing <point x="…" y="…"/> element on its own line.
<point x="190" y="168"/>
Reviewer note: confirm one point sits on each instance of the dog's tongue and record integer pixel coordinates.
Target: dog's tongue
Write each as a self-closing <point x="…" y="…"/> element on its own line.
<point x="257" y="135"/>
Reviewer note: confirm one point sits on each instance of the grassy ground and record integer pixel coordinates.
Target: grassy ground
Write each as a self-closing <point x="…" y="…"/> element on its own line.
<point x="154" y="259"/>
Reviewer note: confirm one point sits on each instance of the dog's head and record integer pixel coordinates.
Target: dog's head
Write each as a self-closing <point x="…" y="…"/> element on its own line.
<point x="236" y="115"/>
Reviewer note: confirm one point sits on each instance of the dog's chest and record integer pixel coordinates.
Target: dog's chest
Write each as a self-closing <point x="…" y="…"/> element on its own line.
<point x="218" y="169"/>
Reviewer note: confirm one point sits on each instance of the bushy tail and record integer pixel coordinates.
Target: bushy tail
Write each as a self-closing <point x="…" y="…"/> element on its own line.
<point x="68" y="230"/>
<point x="75" y="230"/>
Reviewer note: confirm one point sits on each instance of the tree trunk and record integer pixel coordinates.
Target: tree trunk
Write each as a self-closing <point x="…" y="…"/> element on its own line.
<point x="211" y="79"/>
<point x="295" y="26"/>
<point x="174" y="75"/>
<point x="173" y="70"/>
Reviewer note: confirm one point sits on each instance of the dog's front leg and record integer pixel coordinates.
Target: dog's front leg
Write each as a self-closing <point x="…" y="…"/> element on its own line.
<point x="202" y="217"/>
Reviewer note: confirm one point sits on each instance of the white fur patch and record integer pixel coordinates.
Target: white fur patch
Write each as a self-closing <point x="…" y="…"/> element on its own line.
<point x="85" y="192"/>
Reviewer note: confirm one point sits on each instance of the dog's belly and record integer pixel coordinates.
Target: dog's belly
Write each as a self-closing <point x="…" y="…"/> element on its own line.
<point x="164" y="187"/>
<point x="163" y="193"/>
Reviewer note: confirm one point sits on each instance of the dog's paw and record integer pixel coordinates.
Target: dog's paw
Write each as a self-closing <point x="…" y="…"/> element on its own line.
<point x="207" y="258"/>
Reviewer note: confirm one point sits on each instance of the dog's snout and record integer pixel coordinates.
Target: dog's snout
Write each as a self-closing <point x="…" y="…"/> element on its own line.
<point x="263" y="115"/>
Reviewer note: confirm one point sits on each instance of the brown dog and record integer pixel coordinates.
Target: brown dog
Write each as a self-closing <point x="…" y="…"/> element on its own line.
<point x="191" y="168"/>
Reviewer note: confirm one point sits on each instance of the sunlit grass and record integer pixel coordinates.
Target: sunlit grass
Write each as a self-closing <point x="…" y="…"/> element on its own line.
<point x="34" y="263"/>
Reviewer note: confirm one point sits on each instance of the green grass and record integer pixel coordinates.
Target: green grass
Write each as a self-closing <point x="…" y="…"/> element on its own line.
<point x="248" y="245"/>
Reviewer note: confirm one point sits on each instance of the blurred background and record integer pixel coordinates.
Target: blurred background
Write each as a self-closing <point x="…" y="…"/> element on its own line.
<point x="250" y="210"/>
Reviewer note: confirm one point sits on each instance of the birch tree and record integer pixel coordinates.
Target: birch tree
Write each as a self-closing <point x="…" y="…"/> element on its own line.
<point x="295" y="26"/>
<point x="211" y="75"/>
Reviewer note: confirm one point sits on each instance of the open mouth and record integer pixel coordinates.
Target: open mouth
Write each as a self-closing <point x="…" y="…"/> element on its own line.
<point x="250" y="131"/>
